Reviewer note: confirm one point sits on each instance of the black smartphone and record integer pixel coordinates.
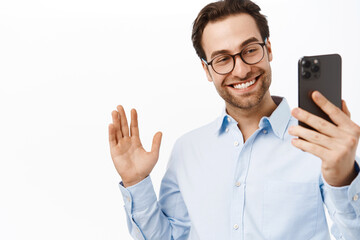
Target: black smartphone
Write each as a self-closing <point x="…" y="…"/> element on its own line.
<point x="321" y="73"/>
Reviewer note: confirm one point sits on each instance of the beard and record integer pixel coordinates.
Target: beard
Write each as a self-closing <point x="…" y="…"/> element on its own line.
<point x="248" y="100"/>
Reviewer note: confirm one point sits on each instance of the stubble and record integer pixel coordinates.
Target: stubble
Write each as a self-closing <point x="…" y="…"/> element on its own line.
<point x="248" y="101"/>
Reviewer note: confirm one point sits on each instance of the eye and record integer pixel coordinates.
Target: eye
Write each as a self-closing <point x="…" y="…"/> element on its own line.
<point x="222" y="59"/>
<point x="250" y="50"/>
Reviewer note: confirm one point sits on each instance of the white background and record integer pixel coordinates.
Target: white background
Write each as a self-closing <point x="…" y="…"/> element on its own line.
<point x="65" y="65"/>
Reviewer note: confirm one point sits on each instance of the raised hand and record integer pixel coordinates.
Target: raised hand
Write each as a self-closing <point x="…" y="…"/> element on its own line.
<point x="131" y="160"/>
<point x="335" y="144"/>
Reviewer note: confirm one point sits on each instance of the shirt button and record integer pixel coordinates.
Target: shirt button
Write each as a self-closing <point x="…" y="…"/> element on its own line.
<point x="264" y="131"/>
<point x="236" y="226"/>
<point x="227" y="130"/>
<point x="238" y="184"/>
<point x="236" y="143"/>
<point x="229" y="119"/>
<point x="128" y="199"/>
<point x="356" y="197"/>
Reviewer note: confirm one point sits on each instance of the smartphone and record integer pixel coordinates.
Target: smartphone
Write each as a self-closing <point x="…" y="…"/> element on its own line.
<point x="321" y="73"/>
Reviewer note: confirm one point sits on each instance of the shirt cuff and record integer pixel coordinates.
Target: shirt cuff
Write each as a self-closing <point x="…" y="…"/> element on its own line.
<point x="138" y="196"/>
<point x="346" y="199"/>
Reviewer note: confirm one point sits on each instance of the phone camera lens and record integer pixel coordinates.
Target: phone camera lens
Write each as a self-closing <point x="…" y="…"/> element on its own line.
<point x="306" y="74"/>
<point x="305" y="63"/>
<point x="315" y="68"/>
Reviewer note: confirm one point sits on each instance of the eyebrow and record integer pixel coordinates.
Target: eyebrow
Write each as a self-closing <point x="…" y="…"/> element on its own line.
<point x="243" y="44"/>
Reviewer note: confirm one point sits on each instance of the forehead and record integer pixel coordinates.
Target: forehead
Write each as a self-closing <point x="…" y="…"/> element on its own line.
<point x="229" y="33"/>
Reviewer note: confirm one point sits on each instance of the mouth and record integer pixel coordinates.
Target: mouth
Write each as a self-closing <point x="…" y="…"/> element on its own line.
<point x="245" y="85"/>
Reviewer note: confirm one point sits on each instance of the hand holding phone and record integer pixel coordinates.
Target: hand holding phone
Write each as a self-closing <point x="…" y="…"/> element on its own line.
<point x="326" y="129"/>
<point x="321" y="73"/>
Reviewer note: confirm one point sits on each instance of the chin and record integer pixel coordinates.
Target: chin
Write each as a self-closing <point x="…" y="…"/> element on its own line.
<point x="252" y="99"/>
<point x="247" y="104"/>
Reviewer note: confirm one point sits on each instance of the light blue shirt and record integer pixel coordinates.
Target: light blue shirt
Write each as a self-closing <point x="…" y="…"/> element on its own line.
<point x="217" y="187"/>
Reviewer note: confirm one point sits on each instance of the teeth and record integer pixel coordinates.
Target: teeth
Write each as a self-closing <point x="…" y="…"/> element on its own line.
<point x="244" y="85"/>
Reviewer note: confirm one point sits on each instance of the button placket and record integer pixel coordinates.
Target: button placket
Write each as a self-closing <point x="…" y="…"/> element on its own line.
<point x="237" y="208"/>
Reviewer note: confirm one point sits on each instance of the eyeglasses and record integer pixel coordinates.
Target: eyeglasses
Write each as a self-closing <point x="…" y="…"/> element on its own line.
<point x="225" y="63"/>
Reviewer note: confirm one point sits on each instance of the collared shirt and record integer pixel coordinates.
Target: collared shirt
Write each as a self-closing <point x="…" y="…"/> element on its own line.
<point x="217" y="187"/>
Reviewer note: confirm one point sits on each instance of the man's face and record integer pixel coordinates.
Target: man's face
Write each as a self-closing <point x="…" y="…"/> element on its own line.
<point x="231" y="35"/>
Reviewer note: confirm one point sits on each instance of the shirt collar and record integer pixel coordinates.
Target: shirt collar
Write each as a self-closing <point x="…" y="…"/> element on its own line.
<point x="278" y="120"/>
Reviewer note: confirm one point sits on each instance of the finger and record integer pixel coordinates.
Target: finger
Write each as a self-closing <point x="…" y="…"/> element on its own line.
<point x="116" y="122"/>
<point x="123" y="121"/>
<point x="311" y="136"/>
<point x="345" y="108"/>
<point x="155" y="148"/>
<point x="354" y="128"/>
<point x="335" y="113"/>
<point x="315" y="122"/>
<point x="112" y="135"/>
<point x="134" y="128"/>
<point x="312" y="148"/>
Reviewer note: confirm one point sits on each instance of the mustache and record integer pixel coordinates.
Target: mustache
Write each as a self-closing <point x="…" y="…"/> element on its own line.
<point x="249" y="75"/>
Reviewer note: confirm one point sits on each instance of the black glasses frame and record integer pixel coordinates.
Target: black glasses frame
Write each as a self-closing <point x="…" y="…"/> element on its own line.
<point x="233" y="57"/>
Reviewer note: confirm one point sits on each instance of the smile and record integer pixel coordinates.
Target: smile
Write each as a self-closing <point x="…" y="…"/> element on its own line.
<point x="244" y="85"/>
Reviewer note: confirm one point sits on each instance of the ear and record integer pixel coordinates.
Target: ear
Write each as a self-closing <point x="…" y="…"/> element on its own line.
<point x="269" y="50"/>
<point x="206" y="69"/>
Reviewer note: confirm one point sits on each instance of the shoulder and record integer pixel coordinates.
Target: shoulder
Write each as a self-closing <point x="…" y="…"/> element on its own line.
<point x="200" y="135"/>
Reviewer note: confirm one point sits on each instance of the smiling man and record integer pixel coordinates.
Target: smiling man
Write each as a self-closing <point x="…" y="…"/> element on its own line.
<point x="243" y="176"/>
<point x="243" y="83"/>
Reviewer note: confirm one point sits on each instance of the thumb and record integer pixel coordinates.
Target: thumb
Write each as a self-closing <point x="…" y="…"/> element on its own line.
<point x="345" y="108"/>
<point x="155" y="148"/>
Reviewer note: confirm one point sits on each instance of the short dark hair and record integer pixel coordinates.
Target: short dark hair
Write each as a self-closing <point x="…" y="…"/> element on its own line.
<point x="220" y="10"/>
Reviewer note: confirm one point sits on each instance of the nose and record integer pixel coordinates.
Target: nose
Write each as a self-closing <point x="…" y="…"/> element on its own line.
<point x="241" y="69"/>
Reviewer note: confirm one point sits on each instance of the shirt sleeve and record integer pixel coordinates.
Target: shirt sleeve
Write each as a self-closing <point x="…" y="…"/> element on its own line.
<point x="343" y="204"/>
<point x="147" y="218"/>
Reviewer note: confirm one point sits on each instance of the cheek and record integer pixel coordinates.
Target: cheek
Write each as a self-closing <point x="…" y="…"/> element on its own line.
<point x="219" y="80"/>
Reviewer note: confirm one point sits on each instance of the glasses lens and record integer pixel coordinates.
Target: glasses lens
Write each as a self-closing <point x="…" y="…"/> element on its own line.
<point x="223" y="64"/>
<point x="253" y="53"/>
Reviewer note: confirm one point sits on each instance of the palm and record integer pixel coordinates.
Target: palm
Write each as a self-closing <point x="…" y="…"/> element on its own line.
<point x="131" y="160"/>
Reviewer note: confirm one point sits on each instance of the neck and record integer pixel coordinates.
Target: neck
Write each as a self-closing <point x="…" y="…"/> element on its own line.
<point x="248" y="119"/>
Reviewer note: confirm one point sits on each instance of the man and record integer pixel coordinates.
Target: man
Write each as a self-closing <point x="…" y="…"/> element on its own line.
<point x="243" y="176"/>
